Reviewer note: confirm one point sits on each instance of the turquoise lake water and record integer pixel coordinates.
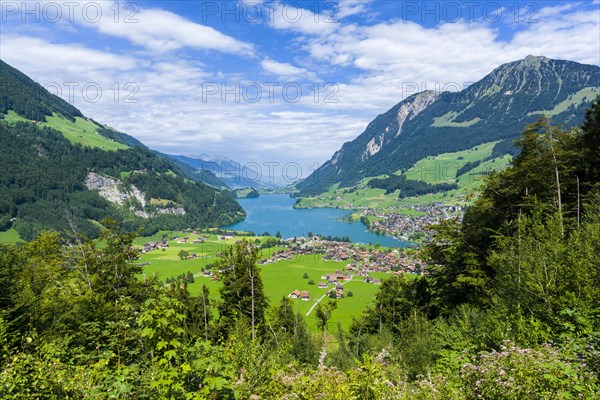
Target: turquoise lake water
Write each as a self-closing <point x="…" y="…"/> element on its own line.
<point x="272" y="213"/>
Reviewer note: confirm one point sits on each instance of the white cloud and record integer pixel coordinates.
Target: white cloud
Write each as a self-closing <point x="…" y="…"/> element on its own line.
<point x="347" y="8"/>
<point x="160" y="30"/>
<point x="154" y="29"/>
<point x="170" y="113"/>
<point x="286" y="71"/>
<point x="39" y="57"/>
<point x="289" y="17"/>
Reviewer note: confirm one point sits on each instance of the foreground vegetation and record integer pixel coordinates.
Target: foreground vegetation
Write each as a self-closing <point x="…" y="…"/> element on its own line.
<point x="508" y="308"/>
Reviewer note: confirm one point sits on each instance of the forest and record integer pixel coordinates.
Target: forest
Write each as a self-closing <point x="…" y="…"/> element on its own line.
<point x="408" y="187"/>
<point x="43" y="186"/>
<point x="507" y="307"/>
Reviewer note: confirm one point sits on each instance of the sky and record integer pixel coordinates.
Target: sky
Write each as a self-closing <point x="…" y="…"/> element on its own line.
<point x="274" y="83"/>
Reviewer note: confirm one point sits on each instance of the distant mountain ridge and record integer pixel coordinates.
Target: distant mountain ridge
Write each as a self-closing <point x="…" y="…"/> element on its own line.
<point x="496" y="108"/>
<point x="63" y="171"/>
<point x="233" y="174"/>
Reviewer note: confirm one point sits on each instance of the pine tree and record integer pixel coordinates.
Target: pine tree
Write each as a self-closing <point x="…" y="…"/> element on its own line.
<point x="242" y="291"/>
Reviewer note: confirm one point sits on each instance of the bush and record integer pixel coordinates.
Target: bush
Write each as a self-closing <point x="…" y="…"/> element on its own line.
<point x="311" y="282"/>
<point x="515" y="373"/>
<point x="305" y="276"/>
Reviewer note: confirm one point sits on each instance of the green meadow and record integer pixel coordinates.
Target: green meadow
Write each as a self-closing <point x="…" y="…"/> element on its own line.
<point x="279" y="278"/>
<point x="10" y="236"/>
<point x="82" y="131"/>
<point x="443" y="167"/>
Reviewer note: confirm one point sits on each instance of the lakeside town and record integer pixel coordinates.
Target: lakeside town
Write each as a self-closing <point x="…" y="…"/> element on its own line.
<point x="411" y="226"/>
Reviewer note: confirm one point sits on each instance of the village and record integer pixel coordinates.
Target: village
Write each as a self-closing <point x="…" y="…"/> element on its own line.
<point x="410" y="227"/>
<point x="360" y="260"/>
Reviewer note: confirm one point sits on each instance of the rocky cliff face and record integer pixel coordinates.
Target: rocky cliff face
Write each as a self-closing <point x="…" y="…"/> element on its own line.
<point x="114" y="191"/>
<point x="406" y="112"/>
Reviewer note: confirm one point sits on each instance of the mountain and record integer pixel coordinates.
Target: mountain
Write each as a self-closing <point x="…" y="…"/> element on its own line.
<point x="61" y="170"/>
<point x="233" y="174"/>
<point x="496" y="108"/>
<point x="196" y="174"/>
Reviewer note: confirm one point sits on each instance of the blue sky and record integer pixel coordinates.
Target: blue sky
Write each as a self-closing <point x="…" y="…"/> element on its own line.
<point x="185" y="76"/>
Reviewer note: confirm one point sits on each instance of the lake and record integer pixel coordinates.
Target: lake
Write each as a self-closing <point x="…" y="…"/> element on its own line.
<point x="272" y="213"/>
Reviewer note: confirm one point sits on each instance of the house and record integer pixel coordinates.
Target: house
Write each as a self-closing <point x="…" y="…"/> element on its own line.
<point x="335" y="277"/>
<point x="305" y="295"/>
<point x="368" y="279"/>
<point x="339" y="287"/>
<point x="322" y="285"/>
<point x="339" y="294"/>
<point x="376" y="281"/>
<point x="206" y="273"/>
<point x="198" y="240"/>
<point x="295" y="294"/>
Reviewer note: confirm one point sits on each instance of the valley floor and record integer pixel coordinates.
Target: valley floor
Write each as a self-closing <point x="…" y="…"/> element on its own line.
<point x="284" y="267"/>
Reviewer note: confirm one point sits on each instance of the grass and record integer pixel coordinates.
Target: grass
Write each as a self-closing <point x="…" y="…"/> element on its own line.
<point x="10" y="236"/>
<point x="81" y="131"/>
<point x="473" y="179"/>
<point x="448" y="120"/>
<point x="344" y="198"/>
<point x="279" y="279"/>
<point x="435" y="169"/>
<point x="588" y="93"/>
<point x="443" y="167"/>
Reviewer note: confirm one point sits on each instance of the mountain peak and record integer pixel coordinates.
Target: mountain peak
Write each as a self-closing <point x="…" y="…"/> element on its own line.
<point x="530" y="62"/>
<point x="531" y="59"/>
<point x="493" y="109"/>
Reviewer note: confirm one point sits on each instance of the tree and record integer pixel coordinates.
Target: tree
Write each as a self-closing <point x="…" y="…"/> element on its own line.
<point x="242" y="291"/>
<point x="589" y="167"/>
<point x="323" y="314"/>
<point x="204" y="303"/>
<point x="183" y="254"/>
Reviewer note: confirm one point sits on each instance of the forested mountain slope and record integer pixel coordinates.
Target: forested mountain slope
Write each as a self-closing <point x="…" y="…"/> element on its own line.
<point x="61" y="170"/>
<point x="493" y="109"/>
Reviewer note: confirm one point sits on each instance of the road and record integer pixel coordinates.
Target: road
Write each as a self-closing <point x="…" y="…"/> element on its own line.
<point x="325" y="295"/>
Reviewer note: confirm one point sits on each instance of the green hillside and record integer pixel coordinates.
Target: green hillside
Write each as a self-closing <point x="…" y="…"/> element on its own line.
<point x="82" y="131"/>
<point x="442" y="168"/>
<point x="50" y="156"/>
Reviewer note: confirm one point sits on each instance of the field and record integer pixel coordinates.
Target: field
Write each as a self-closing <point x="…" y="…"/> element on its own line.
<point x="443" y="167"/>
<point x="10" y="236"/>
<point x="279" y="279"/>
<point x="81" y="131"/>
